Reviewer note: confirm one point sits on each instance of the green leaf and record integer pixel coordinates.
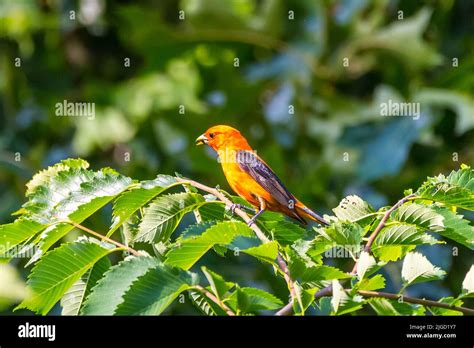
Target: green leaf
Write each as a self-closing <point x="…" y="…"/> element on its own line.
<point x="298" y="263"/>
<point x="238" y="244"/>
<point x="218" y="285"/>
<point x="317" y="247"/>
<point x="43" y="177"/>
<point x="323" y="272"/>
<point x="108" y="292"/>
<point x="73" y="194"/>
<point x="456" y="190"/>
<point x="69" y="189"/>
<point x="386" y="307"/>
<point x="394" y="241"/>
<point x="267" y="252"/>
<point x="163" y="215"/>
<point x="54" y="233"/>
<point x="212" y="212"/>
<point x="74" y="298"/>
<point x="205" y="305"/>
<point x="251" y="300"/>
<point x="261" y="300"/>
<point x="468" y="284"/>
<point x="284" y="232"/>
<point x="346" y="235"/>
<point x="190" y="250"/>
<point x="365" y="265"/>
<point x="309" y="251"/>
<point x="419" y="215"/>
<point x="58" y="270"/>
<point x="195" y="230"/>
<point x="374" y="283"/>
<point x="464" y="177"/>
<point x="15" y="233"/>
<point x="304" y="298"/>
<point x="446" y="311"/>
<point x="456" y="228"/>
<point x="154" y="291"/>
<point x="354" y="209"/>
<point x="130" y="201"/>
<point x="341" y="302"/>
<point x="416" y="269"/>
<point x="130" y="229"/>
<point x="104" y="183"/>
<point x="303" y="267"/>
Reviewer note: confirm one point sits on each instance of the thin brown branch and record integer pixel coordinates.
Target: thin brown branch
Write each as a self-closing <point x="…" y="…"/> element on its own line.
<point x="102" y="237"/>
<point x="228" y="203"/>
<point x="379" y="227"/>
<point x="288" y="308"/>
<point x="214" y="299"/>
<point x="382" y="222"/>
<point x="427" y="303"/>
<point x="327" y="291"/>
<point x="258" y="232"/>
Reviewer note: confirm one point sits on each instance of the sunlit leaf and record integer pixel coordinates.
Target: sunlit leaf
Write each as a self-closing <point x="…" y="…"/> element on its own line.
<point x="341" y="302"/>
<point x="74" y="298"/>
<point x="416" y="269"/>
<point x="218" y="285"/>
<point x="154" y="291"/>
<point x="419" y="215"/>
<point x="468" y="283"/>
<point x="129" y="202"/>
<point x="163" y="215"/>
<point x="109" y="290"/>
<point x="457" y="189"/>
<point x="266" y="252"/>
<point x="394" y="241"/>
<point x="456" y="228"/>
<point x="189" y="250"/>
<point x="353" y="209"/>
<point x="374" y="283"/>
<point x="58" y="270"/>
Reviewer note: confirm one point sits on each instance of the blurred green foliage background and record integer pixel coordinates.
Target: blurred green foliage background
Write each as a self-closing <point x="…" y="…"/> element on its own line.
<point x="248" y="64"/>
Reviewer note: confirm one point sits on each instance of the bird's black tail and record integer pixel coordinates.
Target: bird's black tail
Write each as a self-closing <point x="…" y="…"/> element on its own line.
<point x="308" y="213"/>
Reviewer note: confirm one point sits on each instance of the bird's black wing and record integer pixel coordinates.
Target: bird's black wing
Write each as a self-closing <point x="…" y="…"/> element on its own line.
<point x="263" y="175"/>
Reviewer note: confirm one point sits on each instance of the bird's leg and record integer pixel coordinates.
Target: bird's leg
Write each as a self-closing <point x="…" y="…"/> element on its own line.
<point x="240" y="206"/>
<point x="262" y="209"/>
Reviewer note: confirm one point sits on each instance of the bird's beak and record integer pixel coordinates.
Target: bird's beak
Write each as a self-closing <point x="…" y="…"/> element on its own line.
<point x="201" y="140"/>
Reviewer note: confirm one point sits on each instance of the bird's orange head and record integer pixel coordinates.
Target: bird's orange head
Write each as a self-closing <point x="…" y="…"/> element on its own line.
<point x="221" y="137"/>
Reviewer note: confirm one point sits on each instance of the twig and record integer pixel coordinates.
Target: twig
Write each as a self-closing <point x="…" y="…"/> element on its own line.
<point x="415" y="300"/>
<point x="98" y="235"/>
<point x="214" y="299"/>
<point x="327" y="291"/>
<point x="258" y="232"/>
<point x="379" y="227"/>
<point x="382" y="222"/>
<point x="288" y="308"/>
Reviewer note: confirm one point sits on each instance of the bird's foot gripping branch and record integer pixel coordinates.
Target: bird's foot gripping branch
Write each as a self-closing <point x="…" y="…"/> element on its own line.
<point x="156" y="265"/>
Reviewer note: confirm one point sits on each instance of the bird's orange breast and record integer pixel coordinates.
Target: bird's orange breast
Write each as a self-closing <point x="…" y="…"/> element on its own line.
<point x="243" y="184"/>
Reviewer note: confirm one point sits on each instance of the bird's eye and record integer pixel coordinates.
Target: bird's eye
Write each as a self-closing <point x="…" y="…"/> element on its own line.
<point x="212" y="135"/>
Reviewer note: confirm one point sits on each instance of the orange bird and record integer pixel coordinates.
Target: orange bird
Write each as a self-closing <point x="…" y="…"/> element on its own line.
<point x="251" y="178"/>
